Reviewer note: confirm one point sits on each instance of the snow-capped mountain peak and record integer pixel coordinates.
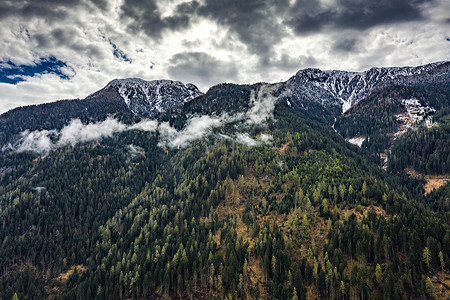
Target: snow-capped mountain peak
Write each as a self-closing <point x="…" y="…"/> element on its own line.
<point x="147" y="98"/>
<point x="345" y="89"/>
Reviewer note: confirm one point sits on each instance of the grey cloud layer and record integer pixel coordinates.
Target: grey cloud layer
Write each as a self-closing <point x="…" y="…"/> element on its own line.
<point x="199" y="66"/>
<point x="50" y="10"/>
<point x="250" y="20"/>
<point x="143" y="15"/>
<point x="261" y="24"/>
<point x="311" y="15"/>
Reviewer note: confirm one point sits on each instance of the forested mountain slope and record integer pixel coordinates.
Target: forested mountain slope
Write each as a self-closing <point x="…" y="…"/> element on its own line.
<point x="124" y="98"/>
<point x="385" y="116"/>
<point x="238" y="193"/>
<point x="322" y="95"/>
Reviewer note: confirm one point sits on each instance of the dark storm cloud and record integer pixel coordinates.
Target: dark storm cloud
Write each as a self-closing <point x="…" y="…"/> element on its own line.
<point x="145" y="16"/>
<point x="48" y="9"/>
<point x="62" y="36"/>
<point x="101" y="4"/>
<point x="69" y="38"/>
<point x="57" y="37"/>
<point x="43" y="40"/>
<point x="188" y="7"/>
<point x="261" y="24"/>
<point x="202" y="68"/>
<point x="346" y="44"/>
<point x="255" y="22"/>
<point x="285" y="62"/>
<point x="309" y="16"/>
<point x="5" y="10"/>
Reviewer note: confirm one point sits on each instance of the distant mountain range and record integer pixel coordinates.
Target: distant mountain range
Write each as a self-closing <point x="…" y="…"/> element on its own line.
<point x="324" y="95"/>
<point x="327" y="88"/>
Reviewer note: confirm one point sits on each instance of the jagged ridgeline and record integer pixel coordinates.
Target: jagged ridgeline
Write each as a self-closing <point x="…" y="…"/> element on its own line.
<point x="244" y="192"/>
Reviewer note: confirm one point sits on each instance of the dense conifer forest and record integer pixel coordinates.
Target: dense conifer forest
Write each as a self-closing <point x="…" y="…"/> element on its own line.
<point x="308" y="216"/>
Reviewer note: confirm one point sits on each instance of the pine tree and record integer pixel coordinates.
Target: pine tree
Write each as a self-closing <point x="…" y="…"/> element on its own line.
<point x="426" y="257"/>
<point x="378" y="274"/>
<point x="429" y="288"/>
<point x="342" y="289"/>
<point x="294" y="294"/>
<point x="364" y="189"/>
<point x="350" y="193"/>
<point x="441" y="260"/>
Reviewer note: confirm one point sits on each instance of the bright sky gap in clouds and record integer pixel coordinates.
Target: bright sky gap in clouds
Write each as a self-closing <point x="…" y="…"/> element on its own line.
<point x="65" y="49"/>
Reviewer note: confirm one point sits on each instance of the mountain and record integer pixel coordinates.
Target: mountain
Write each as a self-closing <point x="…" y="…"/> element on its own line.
<point x="338" y="91"/>
<point x="123" y="98"/>
<point x="147" y="98"/>
<point x="324" y="95"/>
<point x="321" y="94"/>
<point x="246" y="191"/>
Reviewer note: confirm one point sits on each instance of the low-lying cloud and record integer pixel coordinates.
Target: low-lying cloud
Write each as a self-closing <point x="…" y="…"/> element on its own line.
<point x="74" y="133"/>
<point x="262" y="104"/>
<point x="195" y="129"/>
<point x="246" y="139"/>
<point x="37" y="141"/>
<point x="134" y="152"/>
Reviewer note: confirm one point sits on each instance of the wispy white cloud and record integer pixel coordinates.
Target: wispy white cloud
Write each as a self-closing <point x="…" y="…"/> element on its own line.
<point x="246" y="139"/>
<point x="195" y="129"/>
<point x="263" y="102"/>
<point x="145" y="125"/>
<point x="38" y="141"/>
<point x="74" y="133"/>
<point x="134" y="151"/>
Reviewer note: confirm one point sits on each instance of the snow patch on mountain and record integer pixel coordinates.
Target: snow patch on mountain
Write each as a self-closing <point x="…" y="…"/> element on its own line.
<point x="346" y="105"/>
<point x="414" y="114"/>
<point x="358" y="140"/>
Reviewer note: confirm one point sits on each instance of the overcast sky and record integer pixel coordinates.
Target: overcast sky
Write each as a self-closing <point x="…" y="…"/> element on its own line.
<point x="65" y="49"/>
